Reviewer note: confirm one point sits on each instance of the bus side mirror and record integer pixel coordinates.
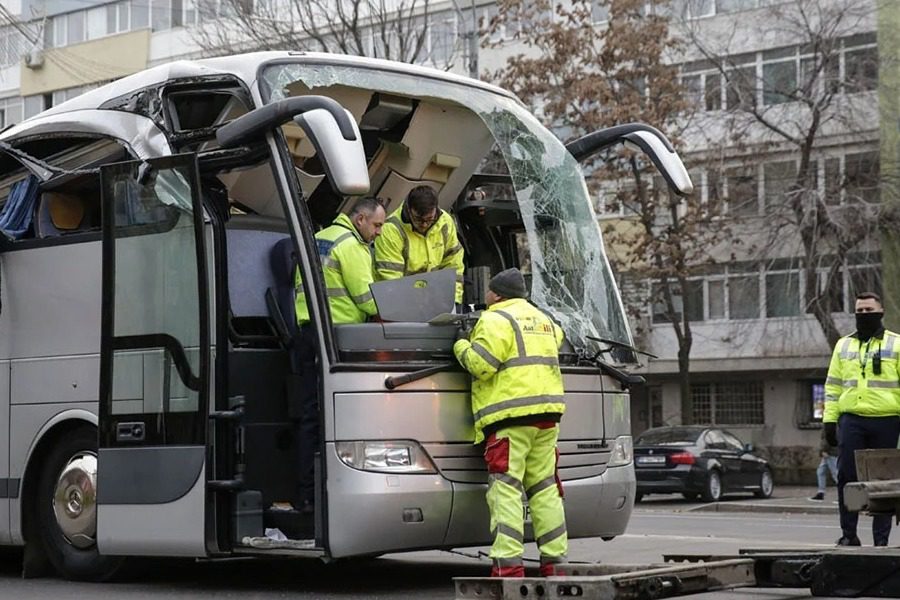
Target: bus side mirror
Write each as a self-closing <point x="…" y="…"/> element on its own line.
<point x="645" y="138"/>
<point x="343" y="159"/>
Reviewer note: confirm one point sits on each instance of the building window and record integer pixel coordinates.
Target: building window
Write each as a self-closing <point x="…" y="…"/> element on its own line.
<point x="860" y="69"/>
<point x="728" y="403"/>
<point x="741" y="191"/>
<point x="817" y="393"/>
<point x="779" y="75"/>
<point x="442" y="37"/>
<point x="140" y="14"/>
<point x="728" y="6"/>
<point x="743" y="297"/>
<point x="777" y="180"/>
<point x="862" y="177"/>
<point x="741" y="88"/>
<point x="75" y="27"/>
<point x="783" y="289"/>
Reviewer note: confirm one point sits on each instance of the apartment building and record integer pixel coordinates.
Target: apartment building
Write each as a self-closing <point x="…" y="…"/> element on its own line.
<point x="758" y="360"/>
<point x="759" y="355"/>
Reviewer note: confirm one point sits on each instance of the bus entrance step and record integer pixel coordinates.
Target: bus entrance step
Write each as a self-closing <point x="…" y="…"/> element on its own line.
<point x="609" y="582"/>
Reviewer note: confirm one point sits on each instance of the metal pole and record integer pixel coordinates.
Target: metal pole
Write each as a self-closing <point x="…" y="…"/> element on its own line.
<point x="470" y="49"/>
<point x="473" y="45"/>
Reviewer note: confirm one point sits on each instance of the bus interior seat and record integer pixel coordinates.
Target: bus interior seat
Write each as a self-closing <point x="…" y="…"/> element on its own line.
<point x="250" y="239"/>
<point x="57" y="214"/>
<point x="283" y="264"/>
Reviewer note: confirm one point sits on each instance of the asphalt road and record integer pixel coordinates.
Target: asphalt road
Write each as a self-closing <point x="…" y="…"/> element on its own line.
<point x="654" y="530"/>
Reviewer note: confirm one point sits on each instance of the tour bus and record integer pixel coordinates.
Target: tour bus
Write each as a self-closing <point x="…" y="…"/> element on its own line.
<point x="148" y="400"/>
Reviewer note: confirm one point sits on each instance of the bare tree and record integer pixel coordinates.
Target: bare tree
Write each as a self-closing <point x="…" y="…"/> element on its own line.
<point x="390" y="29"/>
<point x="812" y="93"/>
<point x="582" y="77"/>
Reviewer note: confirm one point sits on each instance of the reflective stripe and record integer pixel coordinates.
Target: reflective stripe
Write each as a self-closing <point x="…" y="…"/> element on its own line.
<point x="509" y="532"/>
<point x="452" y="251"/>
<point x="362" y="298"/>
<point x="550" y="361"/>
<point x="459" y="278"/>
<point x="541" y="486"/>
<point x="445" y="236"/>
<point x="551" y="535"/>
<point x="507" y="479"/>
<point x="515" y="561"/>
<point x="331" y="262"/>
<point x="884" y="384"/>
<point x="846" y="347"/>
<point x="487" y="356"/>
<point x="337" y="293"/>
<point x="850" y="355"/>
<point x="520" y="341"/>
<point x="341" y="238"/>
<point x="405" y="252"/>
<point x="888" y="354"/>
<point x="833" y="381"/>
<point x="850" y="383"/>
<point x="831" y="398"/>
<point x="552" y="560"/>
<point x="889" y="341"/>
<point x="517" y="403"/>
<point x="390" y="266"/>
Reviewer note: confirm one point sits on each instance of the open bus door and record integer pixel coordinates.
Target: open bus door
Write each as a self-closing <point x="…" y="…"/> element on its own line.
<point x="154" y="361"/>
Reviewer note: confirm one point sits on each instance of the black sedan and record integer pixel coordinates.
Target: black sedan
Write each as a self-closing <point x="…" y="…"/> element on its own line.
<point x="698" y="461"/>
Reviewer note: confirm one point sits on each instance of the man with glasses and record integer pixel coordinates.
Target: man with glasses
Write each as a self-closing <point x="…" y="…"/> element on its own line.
<point x="862" y="404"/>
<point x="419" y="237"/>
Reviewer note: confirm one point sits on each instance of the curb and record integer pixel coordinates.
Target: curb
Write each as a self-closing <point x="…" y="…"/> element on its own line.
<point x="765" y="507"/>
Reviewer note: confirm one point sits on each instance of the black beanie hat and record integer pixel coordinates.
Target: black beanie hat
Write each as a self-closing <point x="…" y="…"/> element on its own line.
<point x="508" y="283"/>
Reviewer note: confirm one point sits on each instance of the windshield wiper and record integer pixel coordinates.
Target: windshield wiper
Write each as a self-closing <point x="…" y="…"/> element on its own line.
<point x="622" y="345"/>
<point x="621" y="375"/>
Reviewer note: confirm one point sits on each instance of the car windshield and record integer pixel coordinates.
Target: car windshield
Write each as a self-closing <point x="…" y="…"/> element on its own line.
<point x="669" y="437"/>
<point x="570" y="273"/>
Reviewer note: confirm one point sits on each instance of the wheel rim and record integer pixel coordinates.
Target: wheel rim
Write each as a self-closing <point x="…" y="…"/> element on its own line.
<point x="75" y="500"/>
<point x="715" y="486"/>
<point x="766" y="485"/>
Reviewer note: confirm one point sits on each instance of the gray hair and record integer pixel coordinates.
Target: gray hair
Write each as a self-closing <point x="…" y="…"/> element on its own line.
<point x="367" y="205"/>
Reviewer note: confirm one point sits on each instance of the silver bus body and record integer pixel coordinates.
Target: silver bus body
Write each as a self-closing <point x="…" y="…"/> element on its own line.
<point x="159" y="496"/>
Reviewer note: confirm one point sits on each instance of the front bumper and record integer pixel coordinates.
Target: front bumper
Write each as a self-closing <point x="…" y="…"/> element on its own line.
<point x="368" y="513"/>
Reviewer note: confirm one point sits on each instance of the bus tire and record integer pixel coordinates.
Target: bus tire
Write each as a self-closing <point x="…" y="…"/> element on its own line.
<point x="66" y="509"/>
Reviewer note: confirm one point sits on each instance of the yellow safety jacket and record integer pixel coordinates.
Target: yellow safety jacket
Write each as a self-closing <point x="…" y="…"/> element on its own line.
<point x="851" y="385"/>
<point x="513" y="357"/>
<point x="348" y="270"/>
<point x="402" y="251"/>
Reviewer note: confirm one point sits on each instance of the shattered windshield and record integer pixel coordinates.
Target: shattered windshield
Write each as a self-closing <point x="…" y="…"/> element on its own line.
<point x="570" y="274"/>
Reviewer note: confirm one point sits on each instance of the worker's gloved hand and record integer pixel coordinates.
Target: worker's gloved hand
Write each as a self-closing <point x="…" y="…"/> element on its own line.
<point x="831" y="434"/>
<point x="462" y="334"/>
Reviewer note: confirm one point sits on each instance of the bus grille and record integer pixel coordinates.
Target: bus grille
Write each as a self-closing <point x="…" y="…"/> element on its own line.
<point x="464" y="463"/>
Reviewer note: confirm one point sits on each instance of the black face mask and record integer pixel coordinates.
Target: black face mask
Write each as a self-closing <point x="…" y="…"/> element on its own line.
<point x="868" y="324"/>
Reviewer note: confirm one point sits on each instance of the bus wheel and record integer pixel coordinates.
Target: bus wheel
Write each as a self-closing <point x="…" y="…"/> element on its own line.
<point x="67" y="509"/>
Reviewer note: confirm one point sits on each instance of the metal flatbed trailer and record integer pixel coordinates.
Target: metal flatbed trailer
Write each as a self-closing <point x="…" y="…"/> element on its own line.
<point x="838" y="572"/>
<point x="846" y="572"/>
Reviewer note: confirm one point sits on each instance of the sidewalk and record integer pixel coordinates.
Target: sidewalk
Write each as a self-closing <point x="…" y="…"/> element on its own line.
<point x="785" y="499"/>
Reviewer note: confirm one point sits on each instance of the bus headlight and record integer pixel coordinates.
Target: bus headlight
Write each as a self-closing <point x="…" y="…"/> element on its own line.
<point x="622" y="452"/>
<point x="386" y="457"/>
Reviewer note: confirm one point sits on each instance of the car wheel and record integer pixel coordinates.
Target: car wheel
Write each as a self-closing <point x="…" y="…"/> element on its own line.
<point x="638" y="497"/>
<point x="689" y="495"/>
<point x="67" y="509"/>
<point x="766" y="484"/>
<point x="713" y="490"/>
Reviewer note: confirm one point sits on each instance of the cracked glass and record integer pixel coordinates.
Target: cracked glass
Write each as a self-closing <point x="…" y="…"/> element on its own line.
<point x="570" y="274"/>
